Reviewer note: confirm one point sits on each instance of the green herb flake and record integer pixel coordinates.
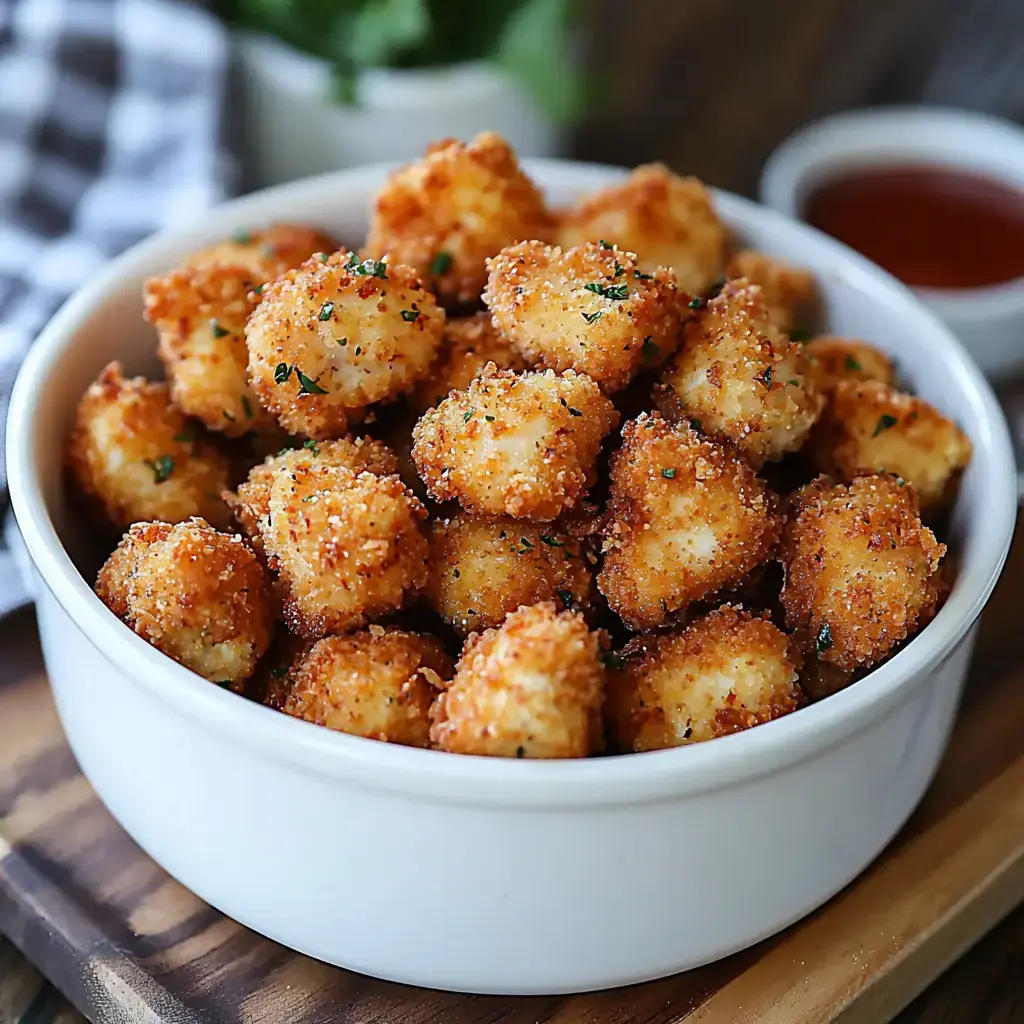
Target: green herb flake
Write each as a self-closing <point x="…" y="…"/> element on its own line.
<point x="823" y="641"/>
<point x="190" y="435"/>
<point x="326" y="311"/>
<point x="410" y="315"/>
<point x="520" y="751"/>
<point x="311" y="446"/>
<point x="440" y="264"/>
<point x="695" y="424"/>
<point x="343" y="342"/>
<point x="282" y="372"/>
<point x="258" y="290"/>
<point x="352" y="262"/>
<point x="793" y="383"/>
<point x="308" y="386"/>
<point x="527" y="544"/>
<point x="218" y="331"/>
<point x="668" y="474"/>
<point x="608" y="291"/>
<point x="696" y="303"/>
<point x="228" y="416"/>
<point x="468" y="416"/>
<point x="765" y="378"/>
<point x="308" y="499"/>
<point x="591" y="317"/>
<point x="619" y="268"/>
<point x="574" y="412"/>
<point x="641" y="276"/>
<point x="162" y="466"/>
<point x="565" y="596"/>
<point x="242" y="238"/>
<point x="612" y="660"/>
<point x="551" y="542"/>
<point x="885" y="422"/>
<point x="852" y="365"/>
<point x="605" y="245"/>
<point x="247" y="407"/>
<point x="324" y="257"/>
<point x="488" y="417"/>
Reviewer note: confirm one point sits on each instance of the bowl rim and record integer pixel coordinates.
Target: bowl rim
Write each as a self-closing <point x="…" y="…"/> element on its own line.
<point x="657" y="775"/>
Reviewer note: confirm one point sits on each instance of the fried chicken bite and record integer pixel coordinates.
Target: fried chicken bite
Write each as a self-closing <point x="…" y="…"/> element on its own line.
<point x="447" y="212"/>
<point x="338" y="335"/>
<point x="483" y="569"/>
<point x="138" y="456"/>
<point x="788" y="291"/>
<point x="378" y="683"/>
<point x="469" y="344"/>
<point x="197" y="595"/>
<point x="861" y="571"/>
<point x="590" y="309"/>
<point x="687" y="518"/>
<point x="265" y="254"/>
<point x="523" y="445"/>
<point x="737" y="377"/>
<point x="532" y="688"/>
<point x="724" y="673"/>
<point x="343" y="535"/>
<point x="870" y="427"/>
<point x="667" y="220"/>
<point x="833" y="359"/>
<point x="199" y="314"/>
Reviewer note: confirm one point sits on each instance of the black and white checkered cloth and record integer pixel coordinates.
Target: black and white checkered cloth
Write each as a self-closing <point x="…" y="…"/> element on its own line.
<point x="112" y="126"/>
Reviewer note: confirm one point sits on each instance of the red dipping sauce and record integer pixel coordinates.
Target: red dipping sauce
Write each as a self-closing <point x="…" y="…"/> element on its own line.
<point x="929" y="226"/>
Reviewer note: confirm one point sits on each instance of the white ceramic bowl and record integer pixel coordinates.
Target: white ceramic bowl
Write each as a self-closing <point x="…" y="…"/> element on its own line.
<point x="478" y="874"/>
<point x="989" y="321"/>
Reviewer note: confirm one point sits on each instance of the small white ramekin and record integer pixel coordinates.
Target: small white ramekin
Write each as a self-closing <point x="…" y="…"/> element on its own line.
<point x="989" y="321"/>
<point x="477" y="874"/>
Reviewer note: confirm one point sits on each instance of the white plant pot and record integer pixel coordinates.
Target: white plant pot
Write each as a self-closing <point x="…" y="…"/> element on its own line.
<point x="294" y="126"/>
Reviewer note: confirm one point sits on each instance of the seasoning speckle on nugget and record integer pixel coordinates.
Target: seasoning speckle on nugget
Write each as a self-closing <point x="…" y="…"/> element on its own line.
<point x="834" y="359"/>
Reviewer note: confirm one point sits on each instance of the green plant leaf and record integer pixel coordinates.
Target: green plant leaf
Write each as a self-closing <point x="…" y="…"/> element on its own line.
<point x="383" y="29"/>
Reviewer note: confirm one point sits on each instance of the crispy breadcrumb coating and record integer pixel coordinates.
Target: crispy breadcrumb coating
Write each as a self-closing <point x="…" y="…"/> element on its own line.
<point x="343" y="536"/>
<point x="378" y="683"/>
<point x="532" y="688"/>
<point x="139" y="457"/>
<point x="870" y="427"/>
<point x="861" y="571"/>
<point x="724" y="673"/>
<point x="833" y="359"/>
<point x="521" y="445"/>
<point x="265" y="254"/>
<point x="669" y="221"/>
<point x="788" y="291"/>
<point x="447" y="212"/>
<point x="200" y="314"/>
<point x="469" y="344"/>
<point x="687" y="518"/>
<point x="483" y="569"/>
<point x="739" y="378"/>
<point x="338" y="335"/>
<point x="197" y="595"/>
<point x="585" y="309"/>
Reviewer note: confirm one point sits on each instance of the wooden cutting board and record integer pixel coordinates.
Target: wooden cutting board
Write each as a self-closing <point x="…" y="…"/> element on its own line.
<point x="127" y="943"/>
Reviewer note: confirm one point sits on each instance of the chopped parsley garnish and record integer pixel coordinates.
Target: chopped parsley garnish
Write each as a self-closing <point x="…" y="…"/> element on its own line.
<point x="468" y="416"/>
<point x="308" y="498"/>
<point x="247" y="407"/>
<point x="641" y="276"/>
<point x="605" y="245"/>
<point x="488" y="417"/>
<point x="218" y="331"/>
<point x="456" y="573"/>
<point x="258" y="290"/>
<point x="668" y="474"/>
<point x="765" y="378"/>
<point x="551" y="542"/>
<point x="324" y="257"/>
<point x="696" y="303"/>
<point x="441" y="263"/>
<point x="242" y="237"/>
<point x="162" y="466"/>
<point x="190" y="435"/>
<point x="574" y="412"/>
<point x="228" y="416"/>
<point x="520" y="751"/>
<point x="326" y="311"/>
<point x="609" y="291"/>
<point x="565" y="596"/>
<point x="312" y="446"/>
<point x="410" y="315"/>
<point x="368" y="268"/>
<point x="612" y="660"/>
<point x="308" y="386"/>
<point x="648" y="349"/>
<point x="852" y="365"/>
<point x="282" y="372"/>
<point x="695" y="424"/>
<point x="800" y="336"/>
<point x="591" y="317"/>
<point x="527" y="544"/>
<point x="343" y="342"/>
<point x="823" y="641"/>
<point x="885" y="422"/>
<point x="619" y="268"/>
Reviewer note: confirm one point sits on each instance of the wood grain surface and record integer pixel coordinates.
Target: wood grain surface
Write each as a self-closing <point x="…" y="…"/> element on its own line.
<point x="127" y="943"/>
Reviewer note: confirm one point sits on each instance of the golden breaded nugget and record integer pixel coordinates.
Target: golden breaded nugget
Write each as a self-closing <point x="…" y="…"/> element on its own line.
<point x="669" y="221"/>
<point x="347" y="546"/>
<point x="197" y="595"/>
<point x="140" y="458"/>
<point x="483" y="569"/>
<point x="200" y="314"/>
<point x="788" y="291"/>
<point x="521" y="445"/>
<point x="266" y="254"/>
<point x="338" y="335"/>
<point x="833" y="359"/>
<point x="687" y="518"/>
<point x="724" y="673"/>
<point x="447" y="212"/>
<point x="378" y="683"/>
<point x="861" y="572"/>
<point x="469" y="344"/>
<point x="739" y="378"/>
<point x="870" y="427"/>
<point x="532" y="688"/>
<point x="590" y="309"/>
